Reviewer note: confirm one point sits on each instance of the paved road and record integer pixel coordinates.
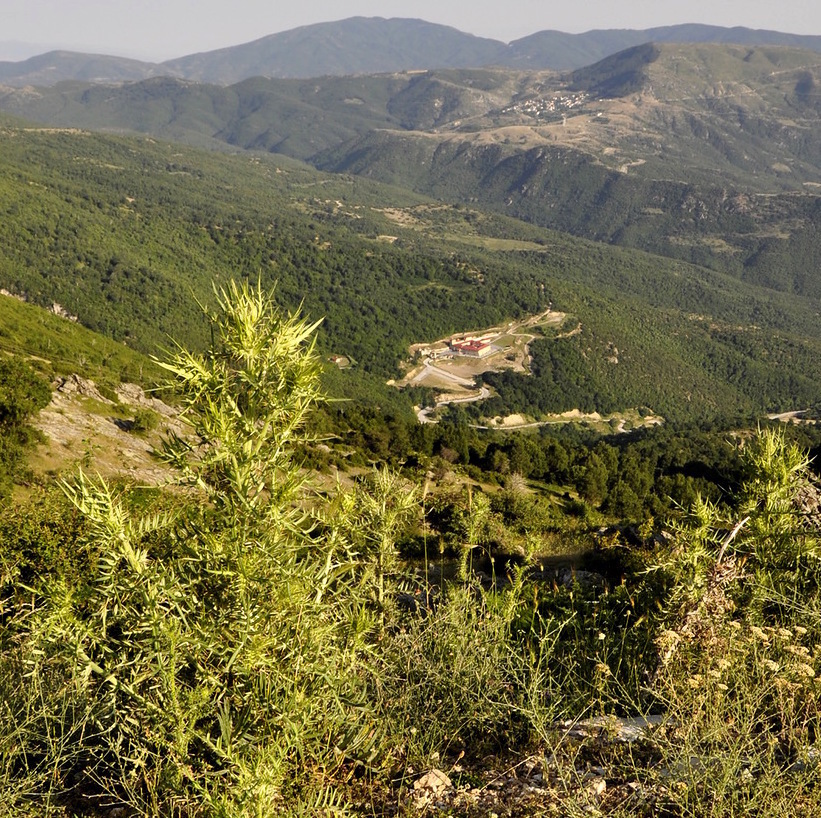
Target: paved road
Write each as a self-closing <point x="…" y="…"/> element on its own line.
<point x="796" y="415"/>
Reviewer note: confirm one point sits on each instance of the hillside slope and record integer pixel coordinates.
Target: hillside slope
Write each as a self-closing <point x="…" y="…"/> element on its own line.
<point x="125" y="233"/>
<point x="709" y="154"/>
<point x="358" y="45"/>
<point x="664" y="111"/>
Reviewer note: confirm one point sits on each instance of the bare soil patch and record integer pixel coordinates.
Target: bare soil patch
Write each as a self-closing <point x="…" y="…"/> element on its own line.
<point x="430" y="364"/>
<point x="84" y="428"/>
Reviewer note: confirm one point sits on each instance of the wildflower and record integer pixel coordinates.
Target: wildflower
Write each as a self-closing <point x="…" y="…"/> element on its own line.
<point x="797" y="650"/>
<point x="756" y="631"/>
<point x="800" y="630"/>
<point x="721" y="686"/>
<point x="785" y="633"/>
<point x="803" y="669"/>
<point x="668" y="642"/>
<point x="770" y="665"/>
<point x="604" y="669"/>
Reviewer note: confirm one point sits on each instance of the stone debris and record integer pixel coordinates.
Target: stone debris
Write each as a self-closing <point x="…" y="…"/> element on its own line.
<point x="60" y="311"/>
<point x="75" y="385"/>
<point x="590" y="770"/>
<point x="569" y="780"/>
<point x="429" y="788"/>
<point x="134" y="395"/>
<point x="808" y="503"/>
<point x="99" y="437"/>
<point x="619" y="730"/>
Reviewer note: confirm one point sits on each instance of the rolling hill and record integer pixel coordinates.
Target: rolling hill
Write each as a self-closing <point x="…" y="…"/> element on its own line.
<point x="60" y="66"/>
<point x="358" y="45"/>
<point x="662" y="111"/>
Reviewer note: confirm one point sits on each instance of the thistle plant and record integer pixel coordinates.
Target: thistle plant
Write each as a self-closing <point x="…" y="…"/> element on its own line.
<point x="738" y="664"/>
<point x="474" y="520"/>
<point x="246" y="403"/>
<point x="775" y="534"/>
<point x="213" y="651"/>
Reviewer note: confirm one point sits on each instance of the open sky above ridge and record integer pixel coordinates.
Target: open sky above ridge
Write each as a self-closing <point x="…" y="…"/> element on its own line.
<point x="165" y="29"/>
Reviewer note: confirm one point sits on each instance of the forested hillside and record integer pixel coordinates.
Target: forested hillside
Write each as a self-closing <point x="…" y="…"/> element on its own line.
<point x="248" y="642"/>
<point x="122" y="232"/>
<point x="709" y="154"/>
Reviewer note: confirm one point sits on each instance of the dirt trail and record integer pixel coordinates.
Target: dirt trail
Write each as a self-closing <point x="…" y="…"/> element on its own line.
<point x="424" y="415"/>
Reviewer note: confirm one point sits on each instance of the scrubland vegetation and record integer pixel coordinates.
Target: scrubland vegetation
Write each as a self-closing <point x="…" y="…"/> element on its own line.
<point x="246" y="644"/>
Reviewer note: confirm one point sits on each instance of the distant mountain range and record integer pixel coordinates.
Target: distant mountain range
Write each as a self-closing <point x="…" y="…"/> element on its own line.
<point x="706" y="153"/>
<point x="668" y="197"/>
<point x="368" y="45"/>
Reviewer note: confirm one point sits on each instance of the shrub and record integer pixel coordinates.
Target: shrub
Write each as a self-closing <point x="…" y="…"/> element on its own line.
<point x="145" y="420"/>
<point x="22" y="394"/>
<point x="739" y="658"/>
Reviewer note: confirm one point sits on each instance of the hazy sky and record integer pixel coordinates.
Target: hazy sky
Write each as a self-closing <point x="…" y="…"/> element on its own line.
<point x="162" y="29"/>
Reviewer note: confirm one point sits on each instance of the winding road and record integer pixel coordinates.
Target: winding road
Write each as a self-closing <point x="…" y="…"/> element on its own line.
<point x="424" y="414"/>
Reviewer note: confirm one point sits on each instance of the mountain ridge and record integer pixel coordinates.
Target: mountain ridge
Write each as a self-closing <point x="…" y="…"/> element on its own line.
<point x="359" y="45"/>
<point x="704" y="153"/>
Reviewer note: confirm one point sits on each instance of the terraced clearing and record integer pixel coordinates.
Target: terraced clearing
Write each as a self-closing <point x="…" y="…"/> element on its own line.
<point x="453" y="376"/>
<point x="434" y="366"/>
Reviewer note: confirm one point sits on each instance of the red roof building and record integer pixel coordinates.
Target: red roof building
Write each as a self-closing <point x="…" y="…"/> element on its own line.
<point x="473" y="349"/>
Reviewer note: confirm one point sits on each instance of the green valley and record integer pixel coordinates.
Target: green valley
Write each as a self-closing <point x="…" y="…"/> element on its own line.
<point x="122" y="232"/>
<point x="433" y="442"/>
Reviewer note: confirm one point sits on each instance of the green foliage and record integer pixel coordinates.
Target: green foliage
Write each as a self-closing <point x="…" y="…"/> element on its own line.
<point x="765" y="531"/>
<point x="738" y="663"/>
<point x="40" y="538"/>
<point x="57" y="347"/>
<point x="213" y="647"/>
<point x="743" y="713"/>
<point x="774" y="534"/>
<point x="121" y="232"/>
<point x="145" y="420"/>
<point x="22" y="394"/>
<point x="460" y="680"/>
<point x="243" y="647"/>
